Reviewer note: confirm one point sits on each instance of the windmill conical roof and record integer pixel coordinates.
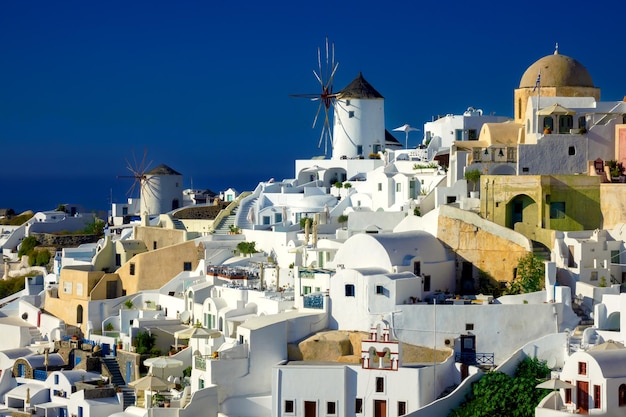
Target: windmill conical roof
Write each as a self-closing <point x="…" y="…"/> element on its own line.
<point x="163" y="170"/>
<point x="359" y="88"/>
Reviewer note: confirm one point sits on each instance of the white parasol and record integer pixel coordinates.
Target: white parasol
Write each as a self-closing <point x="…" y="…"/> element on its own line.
<point x="555" y="384"/>
<point x="406" y="129"/>
<point x="163" y="362"/>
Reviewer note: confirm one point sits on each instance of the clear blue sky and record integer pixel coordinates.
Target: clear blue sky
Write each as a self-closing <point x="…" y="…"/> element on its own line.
<point x="204" y="86"/>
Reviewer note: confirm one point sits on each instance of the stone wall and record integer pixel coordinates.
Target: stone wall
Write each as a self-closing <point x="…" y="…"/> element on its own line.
<point x="64" y="241"/>
<point x="490" y="248"/>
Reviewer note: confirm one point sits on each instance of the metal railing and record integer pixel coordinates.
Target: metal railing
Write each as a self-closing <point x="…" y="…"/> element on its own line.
<point x="474" y="358"/>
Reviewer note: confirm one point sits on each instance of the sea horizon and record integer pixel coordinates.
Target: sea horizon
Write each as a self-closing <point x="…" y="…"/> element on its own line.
<point x="93" y="193"/>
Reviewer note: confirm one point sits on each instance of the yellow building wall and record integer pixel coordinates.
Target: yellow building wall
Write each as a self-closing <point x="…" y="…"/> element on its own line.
<point x="159" y="237"/>
<point x="521" y="97"/>
<point x="613" y="204"/>
<point x="491" y="249"/>
<point x="579" y="193"/>
<point x="153" y="269"/>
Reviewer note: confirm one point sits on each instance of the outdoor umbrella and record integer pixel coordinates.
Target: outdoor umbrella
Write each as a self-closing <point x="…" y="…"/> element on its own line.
<point x="151" y="383"/>
<point x="196" y="333"/>
<point x="406" y="129"/>
<point x="555" y="384"/>
<point x="608" y="345"/>
<point x="163" y="362"/>
<point x="556" y="110"/>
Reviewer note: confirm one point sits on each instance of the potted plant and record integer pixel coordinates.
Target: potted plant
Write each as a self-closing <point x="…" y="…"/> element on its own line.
<point x="233" y="230"/>
<point x="473" y="176"/>
<point x="108" y="327"/>
<point x="547" y="130"/>
<point x="128" y="304"/>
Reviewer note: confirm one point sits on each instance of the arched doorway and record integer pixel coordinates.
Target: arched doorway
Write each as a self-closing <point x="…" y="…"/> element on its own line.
<point x="79" y="314"/>
<point x="521" y="209"/>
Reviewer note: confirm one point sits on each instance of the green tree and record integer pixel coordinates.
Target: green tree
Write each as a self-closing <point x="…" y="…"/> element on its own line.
<point x="473" y="176"/>
<point x="96" y="227"/>
<point x="529" y="276"/>
<point x="27" y="246"/>
<point x="144" y="342"/>
<point x="497" y="394"/>
<point x="347" y="186"/>
<point x="247" y="248"/>
<point x="342" y="219"/>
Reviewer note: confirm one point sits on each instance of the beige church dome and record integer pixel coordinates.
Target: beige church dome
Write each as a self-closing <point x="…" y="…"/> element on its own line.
<point x="557" y="71"/>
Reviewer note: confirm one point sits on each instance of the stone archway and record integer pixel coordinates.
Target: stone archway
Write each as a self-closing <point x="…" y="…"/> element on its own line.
<point x="521" y="209"/>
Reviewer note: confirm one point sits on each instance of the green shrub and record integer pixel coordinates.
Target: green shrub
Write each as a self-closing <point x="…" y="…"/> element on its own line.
<point x="27" y="246"/>
<point x="497" y="394"/>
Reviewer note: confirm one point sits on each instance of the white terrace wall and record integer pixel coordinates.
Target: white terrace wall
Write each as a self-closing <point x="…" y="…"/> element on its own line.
<point x="499" y="329"/>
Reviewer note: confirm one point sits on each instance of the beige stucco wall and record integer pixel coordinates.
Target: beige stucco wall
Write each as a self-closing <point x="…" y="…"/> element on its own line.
<point x="521" y="96"/>
<point x="613" y="204"/>
<point x="155" y="268"/>
<point x="85" y="285"/>
<point x="163" y="237"/>
<point x="491" y="248"/>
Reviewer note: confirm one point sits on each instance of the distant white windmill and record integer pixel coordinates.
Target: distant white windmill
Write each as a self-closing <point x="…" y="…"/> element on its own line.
<point x="406" y="129"/>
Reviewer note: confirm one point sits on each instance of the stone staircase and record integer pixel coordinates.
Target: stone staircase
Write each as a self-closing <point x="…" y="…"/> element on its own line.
<point x="118" y="379"/>
<point x="541" y="251"/>
<point x="35" y="335"/>
<point x="244" y="223"/>
<point x="228" y="221"/>
<point x="178" y="225"/>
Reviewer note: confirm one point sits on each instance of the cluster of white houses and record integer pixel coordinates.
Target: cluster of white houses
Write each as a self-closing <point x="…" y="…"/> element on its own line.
<point x="381" y="242"/>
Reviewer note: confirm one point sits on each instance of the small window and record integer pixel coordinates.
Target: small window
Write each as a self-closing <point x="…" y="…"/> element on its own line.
<point x="572" y="151"/>
<point x="288" y="406"/>
<point x="349" y="290"/>
<point x="154" y="245"/>
<point x="186" y="266"/>
<point x="358" y="403"/>
<point x="472" y="134"/>
<point x="56" y="379"/>
<point x="594" y="276"/>
<point x="401" y="408"/>
<point x="347" y="102"/>
<point x="331" y="408"/>
<point x="351" y="114"/>
<point x="398" y="188"/>
<point x="582" y="368"/>
<point x="426" y="282"/>
<point x="380" y="384"/>
<point x="380" y="186"/>
<point x="525" y="169"/>
<point x="568" y="394"/>
<point x="614" y="256"/>
<point x="622" y="395"/>
<point x="307" y="290"/>
<point x="557" y="210"/>
<point x="450" y="199"/>
<point x="597" y="403"/>
<point x="380" y="289"/>
<point x="469" y="326"/>
<point x="132" y="269"/>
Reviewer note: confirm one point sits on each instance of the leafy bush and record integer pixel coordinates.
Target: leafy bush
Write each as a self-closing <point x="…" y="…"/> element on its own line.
<point x="144" y="342"/>
<point x="27" y="246"/>
<point x="246" y="248"/>
<point x="529" y="277"/>
<point x="497" y="394"/>
<point x="11" y="286"/>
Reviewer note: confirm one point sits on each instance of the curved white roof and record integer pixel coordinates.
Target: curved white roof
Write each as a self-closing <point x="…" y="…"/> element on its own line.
<point x="612" y="363"/>
<point x="388" y="249"/>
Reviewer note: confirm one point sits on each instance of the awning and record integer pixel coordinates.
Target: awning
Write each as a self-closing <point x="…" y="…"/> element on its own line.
<point x="556" y="109"/>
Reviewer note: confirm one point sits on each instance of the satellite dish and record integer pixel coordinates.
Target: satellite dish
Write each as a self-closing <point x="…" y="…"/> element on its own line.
<point x="184" y="316"/>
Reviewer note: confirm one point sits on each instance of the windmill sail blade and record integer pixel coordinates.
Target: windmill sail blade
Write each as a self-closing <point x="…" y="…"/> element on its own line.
<point x="317" y="113"/>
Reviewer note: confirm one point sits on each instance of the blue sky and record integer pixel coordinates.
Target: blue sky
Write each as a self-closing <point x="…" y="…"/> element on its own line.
<point x="204" y="86"/>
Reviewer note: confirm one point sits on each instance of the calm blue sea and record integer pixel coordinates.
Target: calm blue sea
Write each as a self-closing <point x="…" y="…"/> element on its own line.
<point x="93" y="193"/>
